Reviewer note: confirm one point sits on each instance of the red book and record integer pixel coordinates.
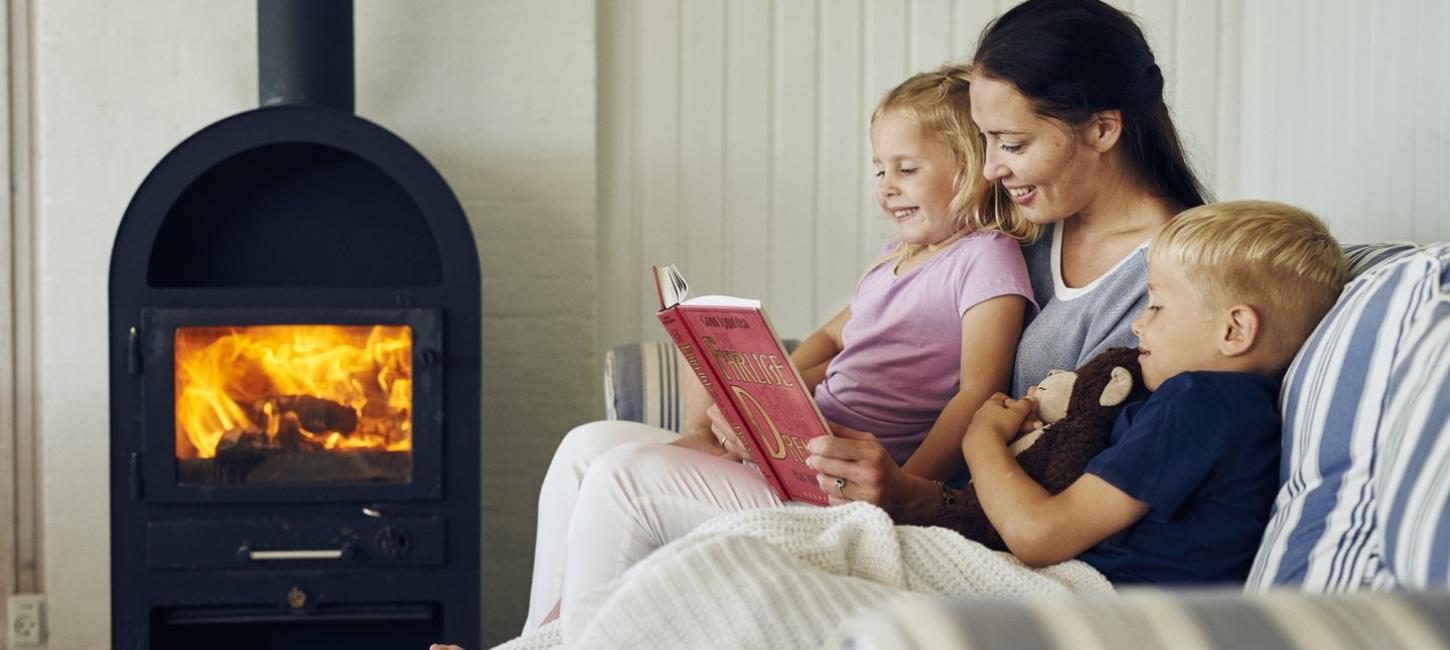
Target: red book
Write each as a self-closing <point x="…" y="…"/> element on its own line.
<point x="732" y="349"/>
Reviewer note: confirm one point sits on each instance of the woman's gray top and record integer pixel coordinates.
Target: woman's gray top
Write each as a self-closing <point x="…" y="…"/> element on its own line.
<point x="1075" y="324"/>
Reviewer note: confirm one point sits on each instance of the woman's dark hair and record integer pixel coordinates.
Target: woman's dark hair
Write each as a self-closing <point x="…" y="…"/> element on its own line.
<point x="1073" y="58"/>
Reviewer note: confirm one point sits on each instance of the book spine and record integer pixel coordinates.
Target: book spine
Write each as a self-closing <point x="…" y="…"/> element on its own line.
<point x="685" y="340"/>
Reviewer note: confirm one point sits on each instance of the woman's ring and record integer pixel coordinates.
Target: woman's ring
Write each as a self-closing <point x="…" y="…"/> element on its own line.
<point x="841" y="487"/>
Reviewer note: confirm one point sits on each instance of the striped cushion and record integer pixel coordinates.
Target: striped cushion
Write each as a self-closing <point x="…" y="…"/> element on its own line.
<point x="1325" y="531"/>
<point x="1150" y="618"/>
<point x="641" y="383"/>
<point x="1363" y="257"/>
<point x="1414" y="468"/>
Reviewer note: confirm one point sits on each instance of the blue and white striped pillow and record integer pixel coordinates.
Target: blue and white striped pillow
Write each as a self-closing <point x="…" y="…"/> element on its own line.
<point x="1414" y="466"/>
<point x="641" y="384"/>
<point x="1325" y="533"/>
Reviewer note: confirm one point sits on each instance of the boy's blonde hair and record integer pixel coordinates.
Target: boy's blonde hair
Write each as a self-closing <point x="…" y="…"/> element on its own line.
<point x="1276" y="258"/>
<point x="939" y="104"/>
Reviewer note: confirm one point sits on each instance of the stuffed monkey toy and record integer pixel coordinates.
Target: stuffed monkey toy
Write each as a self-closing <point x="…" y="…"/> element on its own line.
<point x="1079" y="409"/>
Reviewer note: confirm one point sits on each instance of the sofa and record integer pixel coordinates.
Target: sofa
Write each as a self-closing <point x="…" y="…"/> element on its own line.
<point x="1357" y="550"/>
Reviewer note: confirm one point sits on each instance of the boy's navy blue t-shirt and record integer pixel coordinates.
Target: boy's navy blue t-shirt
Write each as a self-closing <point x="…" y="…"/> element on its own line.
<point x="1203" y="452"/>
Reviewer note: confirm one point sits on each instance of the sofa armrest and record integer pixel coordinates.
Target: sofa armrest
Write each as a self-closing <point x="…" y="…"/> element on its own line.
<point x="642" y="383"/>
<point x="1158" y="618"/>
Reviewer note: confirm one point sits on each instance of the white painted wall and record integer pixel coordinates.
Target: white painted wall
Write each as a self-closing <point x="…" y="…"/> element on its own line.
<point x="1346" y="111"/>
<point x="498" y="95"/>
<point x="733" y="136"/>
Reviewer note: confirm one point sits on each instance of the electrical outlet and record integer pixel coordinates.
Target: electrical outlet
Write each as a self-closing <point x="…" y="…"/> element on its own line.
<point x="27" y="620"/>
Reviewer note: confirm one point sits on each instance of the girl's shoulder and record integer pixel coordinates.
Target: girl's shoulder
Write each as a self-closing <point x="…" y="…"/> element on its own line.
<point x="986" y="248"/>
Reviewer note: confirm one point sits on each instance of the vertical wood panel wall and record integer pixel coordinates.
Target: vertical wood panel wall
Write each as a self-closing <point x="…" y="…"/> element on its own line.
<point x="734" y="131"/>
<point x="733" y="136"/>
<point x="1347" y="112"/>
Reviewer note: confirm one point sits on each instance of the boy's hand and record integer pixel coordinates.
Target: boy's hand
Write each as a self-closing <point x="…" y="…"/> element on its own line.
<point x="1032" y="423"/>
<point x="1000" y="418"/>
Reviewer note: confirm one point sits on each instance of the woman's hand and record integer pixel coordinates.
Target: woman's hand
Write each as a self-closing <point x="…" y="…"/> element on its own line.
<point x="1001" y="418"/>
<point x="720" y="428"/>
<point x="868" y="473"/>
<point x="717" y="440"/>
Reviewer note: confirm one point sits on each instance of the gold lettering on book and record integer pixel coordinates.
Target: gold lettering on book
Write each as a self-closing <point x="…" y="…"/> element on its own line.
<point x="750" y="368"/>
<point x="777" y="444"/>
<point x="694" y="361"/>
<point x="741" y="397"/>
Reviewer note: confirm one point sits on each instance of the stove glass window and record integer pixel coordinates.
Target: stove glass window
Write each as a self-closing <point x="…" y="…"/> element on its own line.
<point x="294" y="404"/>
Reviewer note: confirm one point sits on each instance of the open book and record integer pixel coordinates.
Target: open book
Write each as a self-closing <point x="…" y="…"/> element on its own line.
<point x="731" y="347"/>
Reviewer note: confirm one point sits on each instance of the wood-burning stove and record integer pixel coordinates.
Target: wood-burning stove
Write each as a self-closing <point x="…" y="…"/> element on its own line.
<point x="294" y="335"/>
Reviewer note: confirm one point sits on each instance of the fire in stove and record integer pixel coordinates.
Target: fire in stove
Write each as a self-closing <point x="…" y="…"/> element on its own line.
<point x="293" y="403"/>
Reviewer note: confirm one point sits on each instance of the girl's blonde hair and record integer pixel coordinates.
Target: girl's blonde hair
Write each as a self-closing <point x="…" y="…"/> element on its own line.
<point x="939" y="104"/>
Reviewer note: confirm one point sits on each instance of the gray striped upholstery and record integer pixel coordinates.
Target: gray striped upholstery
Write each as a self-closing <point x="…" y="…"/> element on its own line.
<point x="641" y="384"/>
<point x="1364" y="385"/>
<point x="1152" y="618"/>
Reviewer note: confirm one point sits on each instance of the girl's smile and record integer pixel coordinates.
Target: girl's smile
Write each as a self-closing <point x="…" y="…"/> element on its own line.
<point x="914" y="180"/>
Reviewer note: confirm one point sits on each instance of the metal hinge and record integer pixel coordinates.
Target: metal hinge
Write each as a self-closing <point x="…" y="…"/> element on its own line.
<point x="137" y="477"/>
<point x="133" y="351"/>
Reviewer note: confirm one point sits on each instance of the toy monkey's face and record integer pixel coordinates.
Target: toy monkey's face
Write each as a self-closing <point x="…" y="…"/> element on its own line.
<point x="1052" y="395"/>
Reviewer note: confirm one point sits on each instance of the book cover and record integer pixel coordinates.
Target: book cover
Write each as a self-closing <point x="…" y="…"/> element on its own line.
<point x="731" y="347"/>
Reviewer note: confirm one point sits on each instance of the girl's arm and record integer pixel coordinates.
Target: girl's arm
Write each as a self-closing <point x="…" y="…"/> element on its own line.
<point x="816" y="352"/>
<point x="990" y="331"/>
<point x="989" y="342"/>
<point x="1039" y="528"/>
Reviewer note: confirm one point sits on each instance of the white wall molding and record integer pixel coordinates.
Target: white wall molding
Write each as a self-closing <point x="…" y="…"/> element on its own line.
<point x="20" y="516"/>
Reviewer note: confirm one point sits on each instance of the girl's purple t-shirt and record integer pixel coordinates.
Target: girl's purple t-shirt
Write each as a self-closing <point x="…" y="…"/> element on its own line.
<point x="901" y="362"/>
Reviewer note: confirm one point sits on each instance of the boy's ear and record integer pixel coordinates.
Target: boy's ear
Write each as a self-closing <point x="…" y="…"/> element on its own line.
<point x="1103" y="129"/>
<point x="1241" y="328"/>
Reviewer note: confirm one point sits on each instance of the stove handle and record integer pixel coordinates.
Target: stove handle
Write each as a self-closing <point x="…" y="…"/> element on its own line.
<point x="246" y="552"/>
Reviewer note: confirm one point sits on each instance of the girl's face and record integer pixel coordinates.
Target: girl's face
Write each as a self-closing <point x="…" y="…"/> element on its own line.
<point x="913" y="179"/>
<point x="1036" y="159"/>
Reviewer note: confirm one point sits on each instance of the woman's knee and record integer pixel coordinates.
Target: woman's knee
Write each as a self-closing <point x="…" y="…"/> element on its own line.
<point x="587" y="442"/>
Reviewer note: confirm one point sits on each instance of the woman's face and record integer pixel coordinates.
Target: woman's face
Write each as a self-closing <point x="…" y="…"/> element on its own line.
<point x="1049" y="173"/>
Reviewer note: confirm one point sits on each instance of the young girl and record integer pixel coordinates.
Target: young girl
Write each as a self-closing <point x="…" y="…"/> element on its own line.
<point x="929" y="334"/>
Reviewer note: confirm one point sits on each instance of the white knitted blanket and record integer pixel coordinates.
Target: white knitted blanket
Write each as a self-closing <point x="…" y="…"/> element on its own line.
<point x="788" y="577"/>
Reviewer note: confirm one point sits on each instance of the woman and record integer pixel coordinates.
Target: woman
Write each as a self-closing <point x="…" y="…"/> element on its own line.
<point x="1070" y="100"/>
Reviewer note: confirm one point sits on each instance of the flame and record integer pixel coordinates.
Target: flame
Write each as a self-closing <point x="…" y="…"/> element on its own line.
<point x="232" y="378"/>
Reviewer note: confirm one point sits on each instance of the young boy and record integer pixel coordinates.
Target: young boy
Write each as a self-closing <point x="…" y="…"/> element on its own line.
<point x="1182" y="493"/>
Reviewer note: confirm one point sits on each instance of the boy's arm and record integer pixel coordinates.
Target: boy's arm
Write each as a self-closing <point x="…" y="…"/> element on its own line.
<point x="1039" y="528"/>
<point x="816" y="352"/>
<point x="990" y="331"/>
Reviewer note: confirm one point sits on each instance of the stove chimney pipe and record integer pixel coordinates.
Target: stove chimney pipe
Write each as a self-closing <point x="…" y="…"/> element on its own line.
<point x="305" y="53"/>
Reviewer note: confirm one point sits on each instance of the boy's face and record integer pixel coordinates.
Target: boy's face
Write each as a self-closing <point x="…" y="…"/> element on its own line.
<point x="1177" y="332"/>
<point x="913" y="179"/>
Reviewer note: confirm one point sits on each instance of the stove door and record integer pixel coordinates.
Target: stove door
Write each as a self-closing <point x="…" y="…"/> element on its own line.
<point x="291" y="405"/>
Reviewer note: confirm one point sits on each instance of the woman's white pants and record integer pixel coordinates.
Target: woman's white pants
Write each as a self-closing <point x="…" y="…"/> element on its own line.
<point x="614" y="492"/>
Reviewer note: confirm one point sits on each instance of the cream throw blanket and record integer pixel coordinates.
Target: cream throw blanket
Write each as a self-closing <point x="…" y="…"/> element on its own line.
<point x="788" y="577"/>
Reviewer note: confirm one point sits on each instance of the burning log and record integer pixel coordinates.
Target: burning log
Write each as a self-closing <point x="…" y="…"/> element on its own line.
<point x="314" y="414"/>
<point x="237" y="454"/>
